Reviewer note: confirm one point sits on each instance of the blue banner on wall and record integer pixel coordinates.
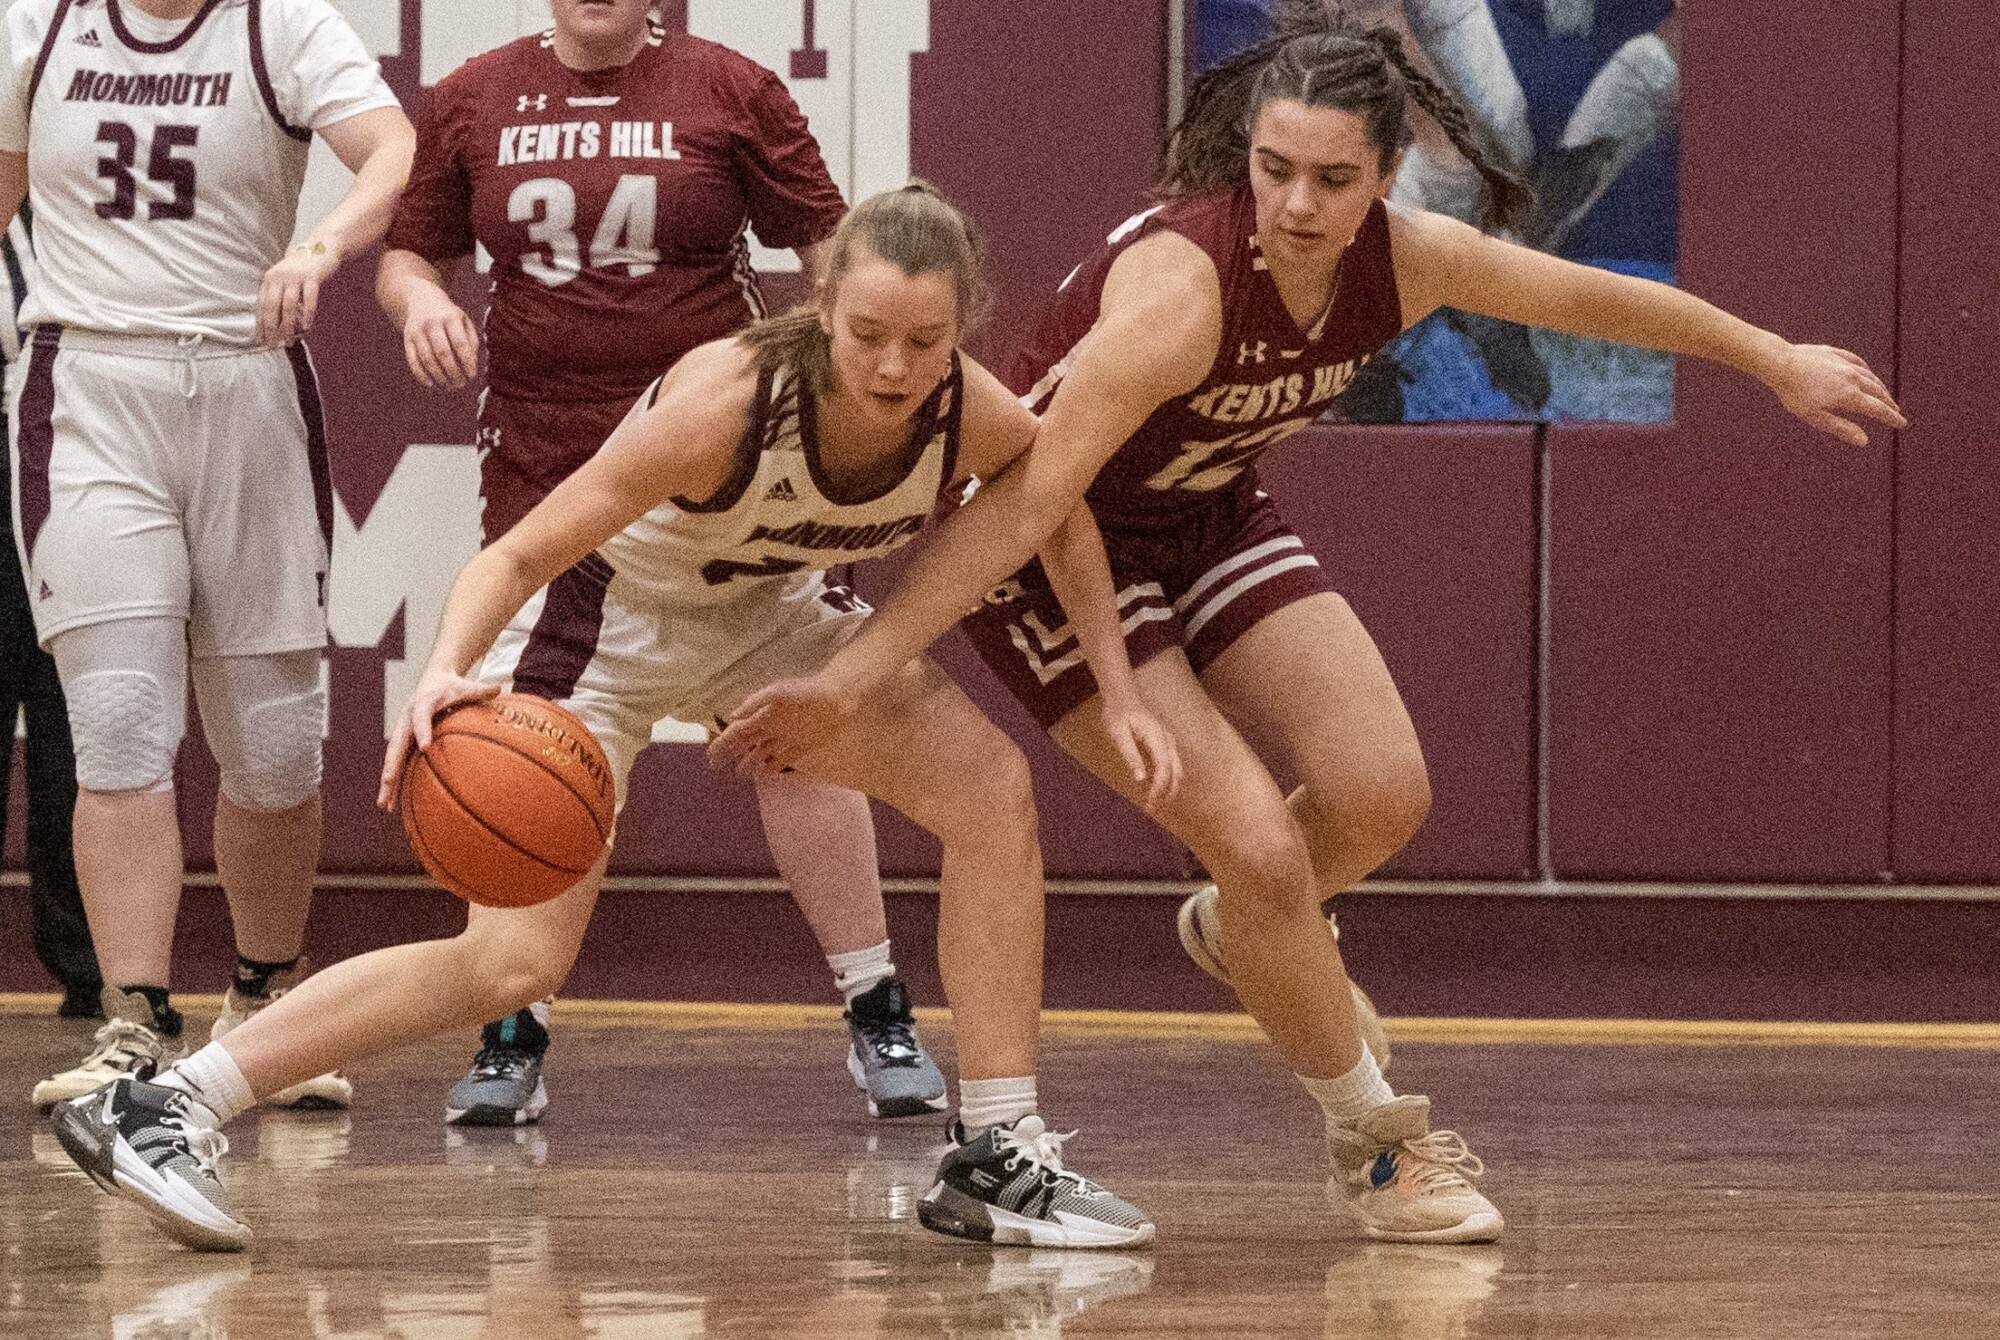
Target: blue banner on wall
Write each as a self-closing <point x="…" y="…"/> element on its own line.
<point x="1580" y="96"/>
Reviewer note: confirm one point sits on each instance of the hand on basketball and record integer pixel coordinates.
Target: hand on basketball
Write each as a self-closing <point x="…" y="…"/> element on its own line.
<point x="779" y="724"/>
<point x="289" y="297"/>
<point x="1148" y="749"/>
<point x="439" y="340"/>
<point x="1830" y="388"/>
<point x="436" y="692"/>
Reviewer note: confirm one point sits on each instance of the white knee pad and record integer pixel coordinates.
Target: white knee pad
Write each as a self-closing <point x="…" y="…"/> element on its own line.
<point x="126" y="685"/>
<point x="125" y="732"/>
<point x="279" y="767"/>
<point x="264" y="717"/>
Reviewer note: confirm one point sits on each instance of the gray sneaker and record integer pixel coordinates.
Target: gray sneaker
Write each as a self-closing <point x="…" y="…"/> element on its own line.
<point x="157" y="1148"/>
<point x="1009" y="1186"/>
<point x="887" y="1061"/>
<point x="1201" y="937"/>
<point x="504" y="1086"/>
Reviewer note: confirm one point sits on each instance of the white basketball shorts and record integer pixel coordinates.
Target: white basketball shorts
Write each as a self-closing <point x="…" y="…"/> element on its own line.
<point x="156" y="477"/>
<point x="597" y="642"/>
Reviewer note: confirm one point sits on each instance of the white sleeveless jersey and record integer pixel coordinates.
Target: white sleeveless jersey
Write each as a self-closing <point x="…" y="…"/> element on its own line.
<point x="165" y="158"/>
<point x="779" y="519"/>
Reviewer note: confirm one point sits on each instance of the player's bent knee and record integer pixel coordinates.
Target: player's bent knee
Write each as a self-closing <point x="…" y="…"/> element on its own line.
<point x="1267" y="870"/>
<point x="124" y="731"/>
<point x="280" y="760"/>
<point x="999" y="808"/>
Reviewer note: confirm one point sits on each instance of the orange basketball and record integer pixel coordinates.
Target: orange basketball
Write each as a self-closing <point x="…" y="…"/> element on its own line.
<point x="511" y="804"/>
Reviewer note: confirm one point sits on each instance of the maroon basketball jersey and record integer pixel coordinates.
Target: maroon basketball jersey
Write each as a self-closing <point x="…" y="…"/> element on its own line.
<point x="613" y="204"/>
<point x="1270" y="377"/>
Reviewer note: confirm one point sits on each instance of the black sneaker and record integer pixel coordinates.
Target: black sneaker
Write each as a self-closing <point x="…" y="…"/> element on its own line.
<point x="158" y="1148"/>
<point x="887" y="1061"/>
<point x="504" y="1086"/>
<point x="1009" y="1186"/>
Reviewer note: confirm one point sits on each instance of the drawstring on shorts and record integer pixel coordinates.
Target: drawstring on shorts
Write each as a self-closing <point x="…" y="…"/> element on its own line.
<point x="190" y="347"/>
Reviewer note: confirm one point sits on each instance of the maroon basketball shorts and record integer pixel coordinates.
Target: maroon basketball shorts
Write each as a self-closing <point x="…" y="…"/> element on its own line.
<point x="1197" y="581"/>
<point x="527" y="447"/>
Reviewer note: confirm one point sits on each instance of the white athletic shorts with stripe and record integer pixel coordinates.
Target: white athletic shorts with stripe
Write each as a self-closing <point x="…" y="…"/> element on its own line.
<point x="605" y="646"/>
<point x="164" y="478"/>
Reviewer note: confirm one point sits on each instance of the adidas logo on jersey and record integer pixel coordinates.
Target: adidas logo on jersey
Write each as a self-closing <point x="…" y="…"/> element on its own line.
<point x="782" y="491"/>
<point x="90" y="38"/>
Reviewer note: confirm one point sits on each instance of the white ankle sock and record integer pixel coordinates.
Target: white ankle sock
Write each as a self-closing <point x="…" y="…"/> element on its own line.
<point x="984" y="1103"/>
<point x="211" y="1078"/>
<point x="1348" y="1096"/>
<point x="859" y="969"/>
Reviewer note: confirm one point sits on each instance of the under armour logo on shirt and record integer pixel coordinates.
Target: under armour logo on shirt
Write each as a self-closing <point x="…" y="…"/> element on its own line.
<point x="781" y="491"/>
<point x="90" y="38"/>
<point x="539" y="102"/>
<point x="1251" y="353"/>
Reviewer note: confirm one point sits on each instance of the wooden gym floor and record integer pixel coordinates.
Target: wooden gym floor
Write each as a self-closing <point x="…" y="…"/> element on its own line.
<point x="710" y="1172"/>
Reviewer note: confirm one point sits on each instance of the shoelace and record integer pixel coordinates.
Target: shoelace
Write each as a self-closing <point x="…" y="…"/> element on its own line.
<point x="499" y="1063"/>
<point x="893" y="1039"/>
<point x="205" y="1144"/>
<point x="1443" y="1158"/>
<point x="121" y="1038"/>
<point x="1045" y="1152"/>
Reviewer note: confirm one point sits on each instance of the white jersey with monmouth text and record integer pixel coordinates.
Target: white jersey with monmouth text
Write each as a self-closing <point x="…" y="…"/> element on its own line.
<point x="165" y="158"/>
<point x="780" y="516"/>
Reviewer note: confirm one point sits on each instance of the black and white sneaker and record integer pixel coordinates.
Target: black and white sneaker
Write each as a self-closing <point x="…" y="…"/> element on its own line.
<point x="885" y="1058"/>
<point x="155" y="1147"/>
<point x="1009" y="1186"/>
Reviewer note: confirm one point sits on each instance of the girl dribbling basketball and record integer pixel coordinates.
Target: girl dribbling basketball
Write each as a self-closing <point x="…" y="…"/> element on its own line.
<point x="676" y="572"/>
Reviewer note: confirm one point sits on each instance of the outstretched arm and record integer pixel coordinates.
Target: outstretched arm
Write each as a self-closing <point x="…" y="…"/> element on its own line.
<point x="1156" y="338"/>
<point x="1159" y="325"/>
<point x="683" y="444"/>
<point x="1441" y="262"/>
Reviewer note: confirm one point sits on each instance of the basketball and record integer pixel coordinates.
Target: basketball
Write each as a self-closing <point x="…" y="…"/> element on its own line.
<point x="511" y="804"/>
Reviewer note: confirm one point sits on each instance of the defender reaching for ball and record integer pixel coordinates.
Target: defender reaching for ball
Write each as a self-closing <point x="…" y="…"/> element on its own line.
<point x="675" y="573"/>
<point x="1202" y="333"/>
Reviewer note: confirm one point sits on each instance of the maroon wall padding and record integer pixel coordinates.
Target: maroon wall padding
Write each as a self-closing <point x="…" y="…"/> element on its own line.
<point x="1429" y="533"/>
<point x="1418" y="954"/>
<point x="1042" y="118"/>
<point x="1720" y="703"/>
<point x="1947" y="763"/>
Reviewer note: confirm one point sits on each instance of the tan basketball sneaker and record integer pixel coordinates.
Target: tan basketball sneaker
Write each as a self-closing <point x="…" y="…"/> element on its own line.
<point x="1201" y="936"/>
<point x="127" y="1046"/>
<point x="331" y="1090"/>
<point x="1404" y="1182"/>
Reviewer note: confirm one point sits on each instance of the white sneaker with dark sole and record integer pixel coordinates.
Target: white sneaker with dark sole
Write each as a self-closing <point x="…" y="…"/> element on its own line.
<point x="153" y="1146"/>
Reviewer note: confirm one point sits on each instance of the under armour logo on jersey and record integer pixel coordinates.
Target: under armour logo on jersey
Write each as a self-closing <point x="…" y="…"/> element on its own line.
<point x="1251" y="353"/>
<point x="539" y="102"/>
<point x="90" y="38"/>
<point x="781" y="491"/>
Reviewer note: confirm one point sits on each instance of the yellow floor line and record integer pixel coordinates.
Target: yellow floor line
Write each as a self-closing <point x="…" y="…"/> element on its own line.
<point x="690" y="1016"/>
